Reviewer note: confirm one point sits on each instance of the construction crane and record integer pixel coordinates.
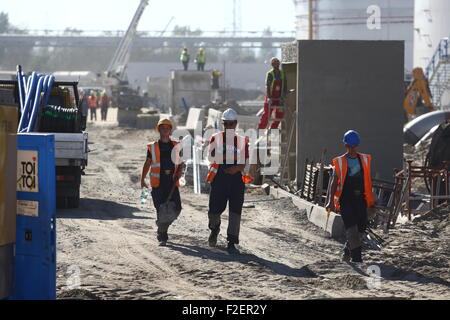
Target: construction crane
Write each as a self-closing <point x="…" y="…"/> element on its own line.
<point x="118" y="65"/>
<point x="124" y="97"/>
<point x="417" y="94"/>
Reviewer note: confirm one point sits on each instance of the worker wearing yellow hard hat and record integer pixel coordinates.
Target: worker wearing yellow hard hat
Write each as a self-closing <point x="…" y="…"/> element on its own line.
<point x="200" y="59"/>
<point x="184" y="58"/>
<point x="165" y="173"/>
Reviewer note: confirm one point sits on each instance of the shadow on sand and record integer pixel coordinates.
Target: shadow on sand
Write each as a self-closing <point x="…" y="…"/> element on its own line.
<point x="102" y="210"/>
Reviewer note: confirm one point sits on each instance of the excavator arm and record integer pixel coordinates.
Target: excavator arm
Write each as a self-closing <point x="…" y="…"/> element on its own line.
<point x="418" y="91"/>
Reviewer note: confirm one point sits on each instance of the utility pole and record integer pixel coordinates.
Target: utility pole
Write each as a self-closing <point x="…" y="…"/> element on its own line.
<point x="236" y="16"/>
<point x="310" y="20"/>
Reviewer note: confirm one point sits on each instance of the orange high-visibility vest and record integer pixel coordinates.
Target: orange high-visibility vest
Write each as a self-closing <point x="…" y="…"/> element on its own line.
<point x="92" y="102"/>
<point x="340" y="165"/>
<point x="214" y="167"/>
<point x="155" y="164"/>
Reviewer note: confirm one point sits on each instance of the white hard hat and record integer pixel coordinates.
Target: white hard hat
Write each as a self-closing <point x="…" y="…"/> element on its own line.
<point x="229" y="115"/>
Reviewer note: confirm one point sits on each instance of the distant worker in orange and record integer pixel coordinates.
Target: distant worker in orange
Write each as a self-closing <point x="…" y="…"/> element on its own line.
<point x="104" y="105"/>
<point x="93" y="105"/>
<point x="276" y="89"/>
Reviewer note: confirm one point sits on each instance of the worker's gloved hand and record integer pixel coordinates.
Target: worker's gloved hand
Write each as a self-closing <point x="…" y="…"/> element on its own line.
<point x="269" y="100"/>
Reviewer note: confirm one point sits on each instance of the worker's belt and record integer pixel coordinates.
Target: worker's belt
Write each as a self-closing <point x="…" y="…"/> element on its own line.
<point x="357" y="193"/>
<point x="167" y="172"/>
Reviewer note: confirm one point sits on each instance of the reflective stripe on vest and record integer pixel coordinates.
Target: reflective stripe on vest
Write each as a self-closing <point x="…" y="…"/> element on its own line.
<point x="340" y="165"/>
<point x="213" y="167"/>
<point x="155" y="165"/>
<point x="272" y="72"/>
<point x="201" y="58"/>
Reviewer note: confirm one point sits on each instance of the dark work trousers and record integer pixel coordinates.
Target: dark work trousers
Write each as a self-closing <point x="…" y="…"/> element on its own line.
<point x="185" y="65"/>
<point x="354" y="216"/>
<point x="93" y="113"/>
<point x="159" y="196"/>
<point x="104" y="113"/>
<point x="200" y="66"/>
<point x="225" y="189"/>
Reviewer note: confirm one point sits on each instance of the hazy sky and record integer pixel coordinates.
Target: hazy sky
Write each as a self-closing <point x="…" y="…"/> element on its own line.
<point x="208" y="15"/>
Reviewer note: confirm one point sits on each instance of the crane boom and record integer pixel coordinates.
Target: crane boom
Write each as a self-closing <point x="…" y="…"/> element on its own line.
<point x="118" y="64"/>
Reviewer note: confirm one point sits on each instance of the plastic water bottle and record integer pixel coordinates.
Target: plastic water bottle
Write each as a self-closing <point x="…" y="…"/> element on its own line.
<point x="144" y="193"/>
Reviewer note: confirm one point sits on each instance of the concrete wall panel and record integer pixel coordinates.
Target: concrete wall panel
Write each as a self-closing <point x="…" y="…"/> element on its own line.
<point x="345" y="85"/>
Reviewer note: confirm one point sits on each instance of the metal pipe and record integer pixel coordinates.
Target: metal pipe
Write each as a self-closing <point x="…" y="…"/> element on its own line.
<point x="417" y="128"/>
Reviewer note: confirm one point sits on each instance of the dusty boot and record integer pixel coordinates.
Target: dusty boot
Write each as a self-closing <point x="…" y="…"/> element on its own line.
<point x="232" y="249"/>
<point x="356" y="255"/>
<point x="212" y="240"/>
<point x="162" y="238"/>
<point x="214" y="226"/>
<point x="346" y="256"/>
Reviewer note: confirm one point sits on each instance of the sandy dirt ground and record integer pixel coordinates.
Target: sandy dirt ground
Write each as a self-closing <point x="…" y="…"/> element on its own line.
<point x="107" y="248"/>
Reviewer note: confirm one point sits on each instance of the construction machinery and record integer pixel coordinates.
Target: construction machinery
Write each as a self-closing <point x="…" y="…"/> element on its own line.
<point x="418" y="94"/>
<point x="126" y="99"/>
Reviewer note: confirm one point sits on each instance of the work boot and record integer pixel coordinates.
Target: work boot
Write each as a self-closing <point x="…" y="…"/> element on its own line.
<point x="346" y="256"/>
<point x="162" y="243"/>
<point x="232" y="249"/>
<point x="356" y="255"/>
<point x="162" y="238"/>
<point x="212" y="240"/>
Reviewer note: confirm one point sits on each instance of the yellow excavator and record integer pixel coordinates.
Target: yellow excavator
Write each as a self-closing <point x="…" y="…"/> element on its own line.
<point x="417" y="94"/>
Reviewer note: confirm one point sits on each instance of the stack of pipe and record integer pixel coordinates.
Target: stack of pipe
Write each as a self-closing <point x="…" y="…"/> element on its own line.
<point x="30" y="91"/>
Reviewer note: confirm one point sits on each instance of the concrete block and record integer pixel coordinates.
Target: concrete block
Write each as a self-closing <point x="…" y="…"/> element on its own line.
<point x="194" y="120"/>
<point x="316" y="214"/>
<point x="214" y="119"/>
<point x="147" y="121"/>
<point x="193" y="86"/>
<point x="345" y="85"/>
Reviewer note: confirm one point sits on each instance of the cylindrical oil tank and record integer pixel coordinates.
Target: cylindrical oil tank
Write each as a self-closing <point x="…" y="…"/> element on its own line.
<point x="431" y="24"/>
<point x="358" y="20"/>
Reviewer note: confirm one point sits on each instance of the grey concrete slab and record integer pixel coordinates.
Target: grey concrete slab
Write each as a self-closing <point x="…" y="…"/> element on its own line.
<point x="192" y="86"/>
<point x="316" y="215"/>
<point x="345" y="85"/>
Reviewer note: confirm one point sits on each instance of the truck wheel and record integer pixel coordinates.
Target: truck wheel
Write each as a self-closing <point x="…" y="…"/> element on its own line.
<point x="74" y="202"/>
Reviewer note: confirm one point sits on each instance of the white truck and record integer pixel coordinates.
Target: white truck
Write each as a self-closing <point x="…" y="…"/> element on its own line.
<point x="65" y="117"/>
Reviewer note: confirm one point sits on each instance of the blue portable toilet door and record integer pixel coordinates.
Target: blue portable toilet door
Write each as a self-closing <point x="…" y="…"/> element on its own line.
<point x="36" y="218"/>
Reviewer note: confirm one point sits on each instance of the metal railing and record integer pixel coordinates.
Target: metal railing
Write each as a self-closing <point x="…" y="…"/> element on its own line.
<point x="155" y="33"/>
<point x="440" y="54"/>
<point x="438" y="71"/>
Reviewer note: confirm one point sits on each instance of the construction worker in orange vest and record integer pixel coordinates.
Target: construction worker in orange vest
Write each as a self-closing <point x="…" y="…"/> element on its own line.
<point x="350" y="193"/>
<point x="93" y="105"/>
<point x="165" y="171"/>
<point x="228" y="154"/>
<point x="276" y="89"/>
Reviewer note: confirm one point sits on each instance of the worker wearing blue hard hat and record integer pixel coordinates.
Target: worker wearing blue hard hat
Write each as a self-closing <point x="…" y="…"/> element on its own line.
<point x="350" y="193"/>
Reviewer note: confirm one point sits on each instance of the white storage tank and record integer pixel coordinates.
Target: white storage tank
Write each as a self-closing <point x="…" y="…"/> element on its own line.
<point x="358" y="20"/>
<point x="431" y="24"/>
